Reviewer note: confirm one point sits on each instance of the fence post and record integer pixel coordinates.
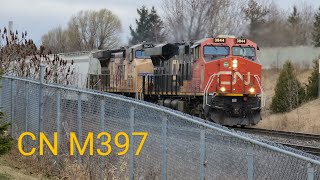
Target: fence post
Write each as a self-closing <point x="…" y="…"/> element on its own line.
<point x="27" y="105"/>
<point x="319" y="81"/>
<point x="310" y="172"/>
<point x="1" y="82"/>
<point x="41" y="75"/>
<point x="11" y="106"/>
<point x="79" y="123"/>
<point x="131" y="151"/>
<point x="58" y="119"/>
<point x="103" y="129"/>
<point x="250" y="161"/>
<point x="164" y="146"/>
<point x="202" y="152"/>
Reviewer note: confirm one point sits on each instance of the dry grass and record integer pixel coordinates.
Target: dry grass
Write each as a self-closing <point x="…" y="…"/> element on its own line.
<point x="12" y="168"/>
<point x="304" y="119"/>
<point x="47" y="167"/>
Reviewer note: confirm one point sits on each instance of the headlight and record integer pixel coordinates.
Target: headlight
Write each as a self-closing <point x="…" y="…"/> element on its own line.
<point x="235" y="63"/>
<point x="251" y="90"/>
<point x="223" y="89"/>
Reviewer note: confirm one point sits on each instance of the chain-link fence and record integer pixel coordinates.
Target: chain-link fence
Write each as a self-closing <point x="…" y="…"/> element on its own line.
<point x="178" y="146"/>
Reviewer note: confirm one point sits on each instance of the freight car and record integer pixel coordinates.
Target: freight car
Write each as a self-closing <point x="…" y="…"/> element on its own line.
<point x="215" y="78"/>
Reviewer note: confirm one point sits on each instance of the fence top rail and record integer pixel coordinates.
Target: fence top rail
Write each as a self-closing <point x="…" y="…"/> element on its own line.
<point x="22" y="79"/>
<point x="173" y="113"/>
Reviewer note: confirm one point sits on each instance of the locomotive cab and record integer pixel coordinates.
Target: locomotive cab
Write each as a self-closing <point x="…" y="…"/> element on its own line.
<point x="139" y="64"/>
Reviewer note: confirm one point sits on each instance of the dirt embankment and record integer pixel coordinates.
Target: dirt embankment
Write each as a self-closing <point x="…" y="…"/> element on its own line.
<point x="303" y="119"/>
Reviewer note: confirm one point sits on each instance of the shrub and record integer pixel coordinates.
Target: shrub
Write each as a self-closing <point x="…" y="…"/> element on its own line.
<point x="6" y="141"/>
<point x="313" y="81"/>
<point x="289" y="93"/>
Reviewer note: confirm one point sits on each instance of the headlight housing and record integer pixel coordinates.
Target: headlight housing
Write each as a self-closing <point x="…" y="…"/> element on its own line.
<point x="235" y="63"/>
<point x="222" y="89"/>
<point x="251" y="90"/>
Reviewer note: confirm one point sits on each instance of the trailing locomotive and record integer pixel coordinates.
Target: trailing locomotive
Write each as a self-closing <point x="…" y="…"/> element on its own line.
<point x="121" y="70"/>
<point x="214" y="78"/>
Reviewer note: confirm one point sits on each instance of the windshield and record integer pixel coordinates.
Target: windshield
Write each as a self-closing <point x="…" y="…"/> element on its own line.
<point x="215" y="52"/>
<point x="243" y="51"/>
<point x="140" y="54"/>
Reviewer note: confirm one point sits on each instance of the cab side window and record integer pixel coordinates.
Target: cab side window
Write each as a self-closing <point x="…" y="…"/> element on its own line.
<point x="140" y="54"/>
<point x="197" y="52"/>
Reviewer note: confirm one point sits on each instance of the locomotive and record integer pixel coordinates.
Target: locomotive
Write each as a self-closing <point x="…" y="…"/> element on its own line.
<point x="214" y="78"/>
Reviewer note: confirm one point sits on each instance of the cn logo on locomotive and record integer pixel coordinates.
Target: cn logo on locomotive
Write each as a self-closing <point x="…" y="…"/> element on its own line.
<point x="236" y="76"/>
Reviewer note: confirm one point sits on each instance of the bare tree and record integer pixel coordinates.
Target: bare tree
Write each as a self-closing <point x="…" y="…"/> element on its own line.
<point x="226" y="17"/>
<point x="95" y="29"/>
<point x="87" y="30"/>
<point x="195" y="19"/>
<point x="74" y="42"/>
<point x="274" y="31"/>
<point x="56" y="40"/>
<point x="307" y="12"/>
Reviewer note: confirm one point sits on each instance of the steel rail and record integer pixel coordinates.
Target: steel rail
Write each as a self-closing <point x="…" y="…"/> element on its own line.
<point x="291" y="135"/>
<point x="307" y="149"/>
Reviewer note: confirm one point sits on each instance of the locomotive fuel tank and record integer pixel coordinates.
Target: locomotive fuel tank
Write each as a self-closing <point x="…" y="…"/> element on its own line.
<point x="176" y="104"/>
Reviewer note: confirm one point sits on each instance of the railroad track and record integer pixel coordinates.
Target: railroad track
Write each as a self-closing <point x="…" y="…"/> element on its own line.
<point x="307" y="149"/>
<point x="309" y="143"/>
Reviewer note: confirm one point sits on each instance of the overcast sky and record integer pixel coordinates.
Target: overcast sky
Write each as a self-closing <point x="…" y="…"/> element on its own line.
<point x="39" y="16"/>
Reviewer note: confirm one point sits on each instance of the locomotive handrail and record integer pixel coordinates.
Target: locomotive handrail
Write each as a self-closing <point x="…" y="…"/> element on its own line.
<point x="205" y="98"/>
<point x="262" y="92"/>
<point x="99" y="80"/>
<point x="140" y="94"/>
<point x="138" y="91"/>
<point x="75" y="53"/>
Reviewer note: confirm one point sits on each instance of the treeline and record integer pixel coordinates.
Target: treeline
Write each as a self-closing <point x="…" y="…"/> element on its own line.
<point x="263" y="21"/>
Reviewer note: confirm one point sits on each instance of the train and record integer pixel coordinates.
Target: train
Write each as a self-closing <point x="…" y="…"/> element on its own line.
<point x="216" y="78"/>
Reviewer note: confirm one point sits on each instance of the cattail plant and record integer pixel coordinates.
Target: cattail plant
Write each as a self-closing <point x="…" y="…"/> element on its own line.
<point x="19" y="56"/>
